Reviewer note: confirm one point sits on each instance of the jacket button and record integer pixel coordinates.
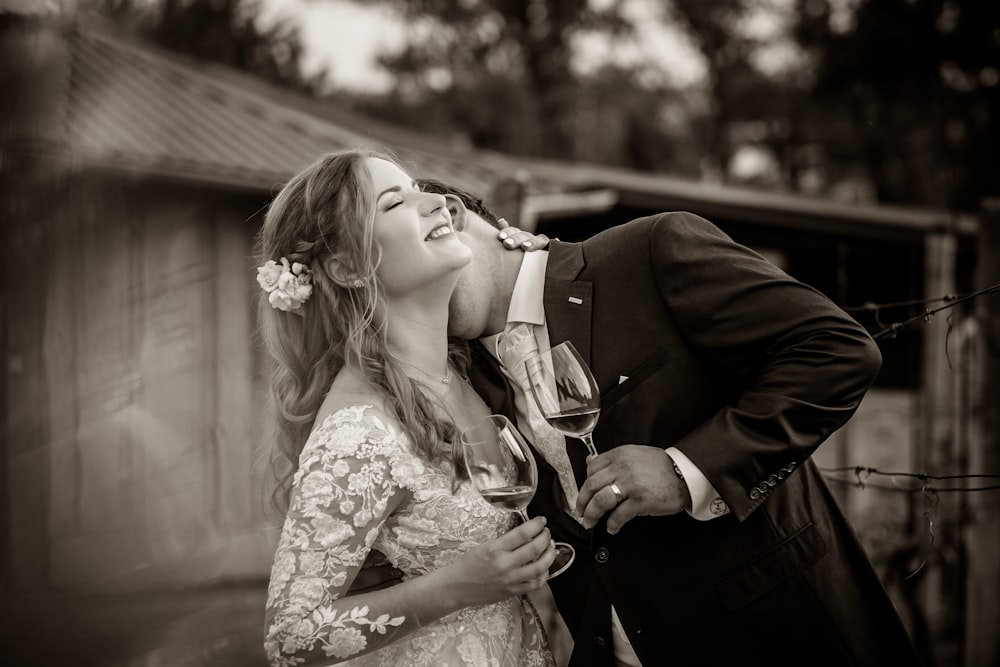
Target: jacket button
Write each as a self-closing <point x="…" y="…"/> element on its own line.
<point x="754" y="493"/>
<point x="602" y="555"/>
<point x="772" y="480"/>
<point x="600" y="643"/>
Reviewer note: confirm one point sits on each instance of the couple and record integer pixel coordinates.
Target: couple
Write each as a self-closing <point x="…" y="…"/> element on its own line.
<point x="704" y="533"/>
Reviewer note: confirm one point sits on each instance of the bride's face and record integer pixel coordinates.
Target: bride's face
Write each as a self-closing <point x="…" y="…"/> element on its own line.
<point x="413" y="231"/>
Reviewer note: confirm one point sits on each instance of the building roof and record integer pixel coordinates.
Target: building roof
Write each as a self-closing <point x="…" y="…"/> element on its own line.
<point x="113" y="102"/>
<point x="660" y="192"/>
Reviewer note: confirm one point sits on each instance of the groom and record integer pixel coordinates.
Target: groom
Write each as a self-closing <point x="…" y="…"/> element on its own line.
<point x="704" y="533"/>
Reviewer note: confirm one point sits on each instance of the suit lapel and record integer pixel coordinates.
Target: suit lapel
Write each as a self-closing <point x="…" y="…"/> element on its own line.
<point x="568" y="302"/>
<point x="568" y="307"/>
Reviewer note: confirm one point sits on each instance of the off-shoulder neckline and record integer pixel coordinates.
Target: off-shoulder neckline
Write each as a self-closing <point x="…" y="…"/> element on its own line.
<point x="365" y="408"/>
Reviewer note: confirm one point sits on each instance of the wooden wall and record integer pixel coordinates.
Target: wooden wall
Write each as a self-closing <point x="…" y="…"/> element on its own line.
<point x="131" y="422"/>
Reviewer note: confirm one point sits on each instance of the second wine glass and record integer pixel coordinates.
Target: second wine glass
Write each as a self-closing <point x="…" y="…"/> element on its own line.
<point x="502" y="468"/>
<point x="565" y="392"/>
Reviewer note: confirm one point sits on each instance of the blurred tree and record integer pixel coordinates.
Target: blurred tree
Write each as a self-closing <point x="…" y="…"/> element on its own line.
<point x="622" y="119"/>
<point x="714" y="29"/>
<point x="223" y="31"/>
<point x="759" y="126"/>
<point x="501" y="69"/>
<point x="917" y="82"/>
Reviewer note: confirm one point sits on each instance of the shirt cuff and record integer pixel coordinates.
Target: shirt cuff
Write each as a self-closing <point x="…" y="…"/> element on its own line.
<point x="706" y="503"/>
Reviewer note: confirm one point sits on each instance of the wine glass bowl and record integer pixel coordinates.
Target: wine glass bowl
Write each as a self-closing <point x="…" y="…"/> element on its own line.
<point x="565" y="392"/>
<point x="499" y="466"/>
<point x="502" y="469"/>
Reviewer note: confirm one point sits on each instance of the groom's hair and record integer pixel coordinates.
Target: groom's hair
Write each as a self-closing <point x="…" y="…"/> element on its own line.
<point x="472" y="202"/>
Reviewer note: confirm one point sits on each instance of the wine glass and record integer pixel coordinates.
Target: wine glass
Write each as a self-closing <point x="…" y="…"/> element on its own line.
<point x="503" y="471"/>
<point x="565" y="392"/>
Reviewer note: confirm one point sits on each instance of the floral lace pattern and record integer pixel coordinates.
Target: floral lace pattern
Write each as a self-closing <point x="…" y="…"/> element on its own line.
<point x="360" y="486"/>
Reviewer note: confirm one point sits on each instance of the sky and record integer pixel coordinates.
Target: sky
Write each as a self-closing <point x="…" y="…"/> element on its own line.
<point x="344" y="37"/>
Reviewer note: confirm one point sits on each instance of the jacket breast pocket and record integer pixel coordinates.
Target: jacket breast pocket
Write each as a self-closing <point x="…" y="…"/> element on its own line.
<point x="648" y="366"/>
<point x="772" y="568"/>
<point x="663" y="398"/>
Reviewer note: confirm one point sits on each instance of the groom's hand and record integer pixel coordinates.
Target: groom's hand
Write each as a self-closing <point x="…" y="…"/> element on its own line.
<point x="646" y="479"/>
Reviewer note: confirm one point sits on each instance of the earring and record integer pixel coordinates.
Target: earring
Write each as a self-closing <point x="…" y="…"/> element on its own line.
<point x="358" y="282"/>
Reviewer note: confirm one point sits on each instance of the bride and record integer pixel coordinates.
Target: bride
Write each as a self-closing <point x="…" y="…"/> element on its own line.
<point x="359" y="265"/>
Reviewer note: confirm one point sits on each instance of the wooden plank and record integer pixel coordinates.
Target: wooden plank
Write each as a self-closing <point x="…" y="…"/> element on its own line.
<point x="173" y="429"/>
<point x="94" y="513"/>
<point x="233" y="375"/>
<point x="982" y="607"/>
<point x="939" y="454"/>
<point x="59" y="342"/>
<point x="27" y="261"/>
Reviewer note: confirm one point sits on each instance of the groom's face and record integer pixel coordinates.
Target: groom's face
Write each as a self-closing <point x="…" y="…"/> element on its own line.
<point x="478" y="304"/>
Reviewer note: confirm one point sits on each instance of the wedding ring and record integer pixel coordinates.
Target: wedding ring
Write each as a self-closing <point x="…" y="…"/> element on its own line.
<point x="618" y="492"/>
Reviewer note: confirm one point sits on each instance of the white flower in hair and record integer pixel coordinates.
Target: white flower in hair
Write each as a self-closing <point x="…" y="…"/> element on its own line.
<point x="288" y="285"/>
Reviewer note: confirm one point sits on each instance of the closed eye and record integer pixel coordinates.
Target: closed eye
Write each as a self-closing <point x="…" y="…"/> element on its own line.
<point x="398" y="199"/>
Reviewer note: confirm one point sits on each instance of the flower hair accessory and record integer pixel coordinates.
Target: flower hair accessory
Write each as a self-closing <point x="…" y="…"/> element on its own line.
<point x="288" y="285"/>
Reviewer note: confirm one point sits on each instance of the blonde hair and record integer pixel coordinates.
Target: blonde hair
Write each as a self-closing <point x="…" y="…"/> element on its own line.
<point x="328" y="208"/>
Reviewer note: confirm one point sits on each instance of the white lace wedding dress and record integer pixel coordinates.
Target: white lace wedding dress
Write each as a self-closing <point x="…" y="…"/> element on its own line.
<point x="360" y="486"/>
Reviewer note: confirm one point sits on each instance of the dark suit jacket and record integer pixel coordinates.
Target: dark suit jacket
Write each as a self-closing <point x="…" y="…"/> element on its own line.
<point x="747" y="372"/>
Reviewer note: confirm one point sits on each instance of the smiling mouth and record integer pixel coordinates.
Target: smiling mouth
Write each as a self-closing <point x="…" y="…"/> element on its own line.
<point x="438" y="232"/>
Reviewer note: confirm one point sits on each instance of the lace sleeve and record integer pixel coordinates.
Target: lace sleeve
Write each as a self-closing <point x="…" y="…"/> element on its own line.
<point x="347" y="484"/>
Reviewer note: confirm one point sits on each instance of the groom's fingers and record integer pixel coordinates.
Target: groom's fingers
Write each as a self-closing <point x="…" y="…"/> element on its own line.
<point x="588" y="505"/>
<point x="622" y="514"/>
<point x="602" y="500"/>
<point x="643" y="475"/>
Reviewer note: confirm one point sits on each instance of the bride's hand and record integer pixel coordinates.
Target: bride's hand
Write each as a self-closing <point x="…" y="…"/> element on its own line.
<point x="512" y="564"/>
<point x="517" y="239"/>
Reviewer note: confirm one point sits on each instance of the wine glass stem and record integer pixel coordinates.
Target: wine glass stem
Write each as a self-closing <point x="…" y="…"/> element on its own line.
<point x="588" y="440"/>
<point x="523" y="515"/>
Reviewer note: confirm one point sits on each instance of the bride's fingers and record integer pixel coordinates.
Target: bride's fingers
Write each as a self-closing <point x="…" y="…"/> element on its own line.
<point x="537" y="567"/>
<point x="514" y="238"/>
<point x="517" y="537"/>
<point x="533" y="550"/>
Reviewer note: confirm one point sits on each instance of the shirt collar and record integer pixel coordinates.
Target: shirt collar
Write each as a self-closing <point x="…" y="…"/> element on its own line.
<point x="526" y="301"/>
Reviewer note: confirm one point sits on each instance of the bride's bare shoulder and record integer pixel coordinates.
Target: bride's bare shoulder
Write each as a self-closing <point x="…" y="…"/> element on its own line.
<point x="349" y="391"/>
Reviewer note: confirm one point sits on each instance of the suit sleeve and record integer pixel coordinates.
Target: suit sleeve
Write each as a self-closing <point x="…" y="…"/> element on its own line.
<point x="803" y="365"/>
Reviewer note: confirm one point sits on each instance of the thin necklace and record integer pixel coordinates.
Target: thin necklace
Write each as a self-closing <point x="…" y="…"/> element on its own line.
<point x="444" y="380"/>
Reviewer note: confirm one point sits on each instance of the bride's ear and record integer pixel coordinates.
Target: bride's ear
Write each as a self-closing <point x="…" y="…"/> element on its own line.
<point x="341" y="272"/>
